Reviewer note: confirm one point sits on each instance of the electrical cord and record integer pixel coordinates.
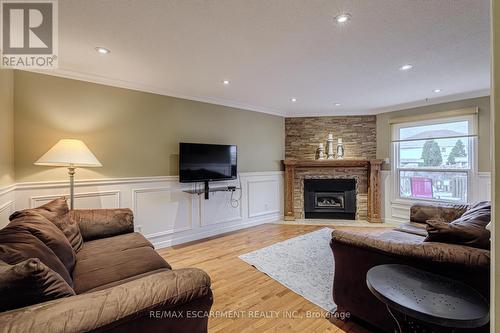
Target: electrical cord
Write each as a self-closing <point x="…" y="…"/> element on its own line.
<point x="235" y="203"/>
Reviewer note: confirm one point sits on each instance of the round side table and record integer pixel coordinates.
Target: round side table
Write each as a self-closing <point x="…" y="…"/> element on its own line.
<point x="420" y="301"/>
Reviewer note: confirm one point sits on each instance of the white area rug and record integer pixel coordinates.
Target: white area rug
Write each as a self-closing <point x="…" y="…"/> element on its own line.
<point x="303" y="264"/>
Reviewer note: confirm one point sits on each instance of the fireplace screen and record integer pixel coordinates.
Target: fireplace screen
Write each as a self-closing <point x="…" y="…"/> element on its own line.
<point x="329" y="200"/>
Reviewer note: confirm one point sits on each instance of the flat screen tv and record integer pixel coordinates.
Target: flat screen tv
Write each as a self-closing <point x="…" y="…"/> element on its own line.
<point x="200" y="162"/>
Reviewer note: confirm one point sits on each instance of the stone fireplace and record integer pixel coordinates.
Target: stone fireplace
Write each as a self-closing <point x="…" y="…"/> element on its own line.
<point x="364" y="173"/>
<point x="359" y="167"/>
<point x="330" y="198"/>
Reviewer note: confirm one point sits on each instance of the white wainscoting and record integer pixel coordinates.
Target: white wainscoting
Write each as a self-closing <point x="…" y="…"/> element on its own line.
<point x="162" y="211"/>
<point x="7" y="204"/>
<point x="396" y="211"/>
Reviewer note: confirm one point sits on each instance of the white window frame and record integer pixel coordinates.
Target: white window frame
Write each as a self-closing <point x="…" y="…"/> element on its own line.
<point x="473" y="152"/>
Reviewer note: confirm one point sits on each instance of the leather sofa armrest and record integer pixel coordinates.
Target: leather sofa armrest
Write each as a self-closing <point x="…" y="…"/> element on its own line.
<point x="132" y="304"/>
<point x="422" y="212"/>
<point x="102" y="223"/>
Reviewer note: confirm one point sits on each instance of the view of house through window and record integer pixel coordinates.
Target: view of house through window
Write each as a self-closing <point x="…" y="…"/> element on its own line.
<point x="433" y="160"/>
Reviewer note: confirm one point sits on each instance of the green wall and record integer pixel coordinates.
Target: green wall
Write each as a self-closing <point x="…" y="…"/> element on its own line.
<point x="6" y="127"/>
<point x="132" y="133"/>
<point x="484" y="140"/>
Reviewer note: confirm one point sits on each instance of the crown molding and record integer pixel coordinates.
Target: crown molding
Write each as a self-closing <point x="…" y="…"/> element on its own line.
<point x="92" y="78"/>
<point x="435" y="101"/>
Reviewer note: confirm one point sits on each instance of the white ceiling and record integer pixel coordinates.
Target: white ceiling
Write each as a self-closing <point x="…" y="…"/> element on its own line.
<point x="273" y="50"/>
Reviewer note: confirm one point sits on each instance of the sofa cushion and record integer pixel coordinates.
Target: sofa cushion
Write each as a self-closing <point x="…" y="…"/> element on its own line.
<point x="18" y="244"/>
<point x="30" y="282"/>
<point x="57" y="212"/>
<point x="50" y="235"/>
<point x="401" y="244"/>
<point x="469" y="229"/>
<point x="132" y="278"/>
<point x="113" y="244"/>
<point x="108" y="267"/>
<point x="413" y="228"/>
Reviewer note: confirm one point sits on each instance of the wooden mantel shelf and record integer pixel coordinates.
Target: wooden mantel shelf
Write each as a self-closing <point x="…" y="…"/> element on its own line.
<point x="372" y="167"/>
<point x="345" y="163"/>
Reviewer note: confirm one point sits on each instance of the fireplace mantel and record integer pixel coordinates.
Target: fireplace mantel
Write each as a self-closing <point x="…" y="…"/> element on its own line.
<point x="372" y="167"/>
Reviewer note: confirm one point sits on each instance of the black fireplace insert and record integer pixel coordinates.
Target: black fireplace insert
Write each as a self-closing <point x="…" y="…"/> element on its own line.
<point x="330" y="199"/>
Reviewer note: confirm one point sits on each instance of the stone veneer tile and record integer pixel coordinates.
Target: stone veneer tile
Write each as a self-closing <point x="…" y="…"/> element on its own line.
<point x="302" y="136"/>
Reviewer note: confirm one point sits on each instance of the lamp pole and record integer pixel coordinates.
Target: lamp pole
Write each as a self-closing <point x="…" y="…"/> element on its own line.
<point x="71" y="172"/>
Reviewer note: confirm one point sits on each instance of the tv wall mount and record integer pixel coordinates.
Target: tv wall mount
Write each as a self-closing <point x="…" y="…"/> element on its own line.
<point x="206" y="190"/>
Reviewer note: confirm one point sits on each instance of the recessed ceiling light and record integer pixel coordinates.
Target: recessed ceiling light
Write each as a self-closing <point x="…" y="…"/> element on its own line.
<point x="337" y="104"/>
<point x="437" y="90"/>
<point x="342" y="18"/>
<point x="225" y="82"/>
<point x="293" y="100"/>
<point x="102" y="50"/>
<point x="406" y="67"/>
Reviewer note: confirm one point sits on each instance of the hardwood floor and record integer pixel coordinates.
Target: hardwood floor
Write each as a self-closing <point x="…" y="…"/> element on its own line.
<point x="249" y="300"/>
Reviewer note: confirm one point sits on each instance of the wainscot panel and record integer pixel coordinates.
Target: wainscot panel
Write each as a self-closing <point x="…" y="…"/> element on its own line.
<point x="163" y="212"/>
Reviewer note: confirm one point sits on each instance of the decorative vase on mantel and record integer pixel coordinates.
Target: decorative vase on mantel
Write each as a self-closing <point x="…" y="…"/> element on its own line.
<point x="340" y="149"/>
<point x="329" y="147"/>
<point x="321" y="151"/>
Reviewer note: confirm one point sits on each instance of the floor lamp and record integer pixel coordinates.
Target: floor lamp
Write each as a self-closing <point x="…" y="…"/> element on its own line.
<point x="71" y="154"/>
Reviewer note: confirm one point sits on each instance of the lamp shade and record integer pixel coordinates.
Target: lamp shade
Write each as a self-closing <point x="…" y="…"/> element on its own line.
<point x="69" y="153"/>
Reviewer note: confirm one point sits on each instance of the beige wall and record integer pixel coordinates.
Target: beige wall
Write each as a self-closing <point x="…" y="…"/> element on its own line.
<point x="384" y="129"/>
<point x="132" y="133"/>
<point x="6" y="127"/>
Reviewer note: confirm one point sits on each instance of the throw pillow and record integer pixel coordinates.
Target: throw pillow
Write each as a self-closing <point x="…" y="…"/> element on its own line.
<point x="469" y="229"/>
<point x="57" y="212"/>
<point x="30" y="282"/>
<point x="50" y="235"/>
<point x="18" y="244"/>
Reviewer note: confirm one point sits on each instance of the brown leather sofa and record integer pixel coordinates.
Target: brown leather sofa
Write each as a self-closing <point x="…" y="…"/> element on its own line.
<point x="120" y="283"/>
<point x="355" y="253"/>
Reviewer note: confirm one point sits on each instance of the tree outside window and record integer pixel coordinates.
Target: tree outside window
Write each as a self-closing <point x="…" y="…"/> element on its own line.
<point x="431" y="154"/>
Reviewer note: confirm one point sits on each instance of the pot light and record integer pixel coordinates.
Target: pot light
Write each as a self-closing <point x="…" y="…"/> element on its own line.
<point x="102" y="50"/>
<point x="225" y="82"/>
<point x="437" y="90"/>
<point x="342" y="18"/>
<point x="293" y="100"/>
<point x="337" y="104"/>
<point x="406" y="67"/>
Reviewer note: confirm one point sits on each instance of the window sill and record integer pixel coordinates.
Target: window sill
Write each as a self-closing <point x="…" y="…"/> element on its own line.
<point x="410" y="202"/>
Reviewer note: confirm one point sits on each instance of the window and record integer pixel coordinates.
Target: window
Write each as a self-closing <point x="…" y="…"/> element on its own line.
<point x="435" y="159"/>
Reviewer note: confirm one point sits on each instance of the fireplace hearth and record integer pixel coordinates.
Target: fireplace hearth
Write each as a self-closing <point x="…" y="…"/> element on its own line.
<point x="330" y="199"/>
